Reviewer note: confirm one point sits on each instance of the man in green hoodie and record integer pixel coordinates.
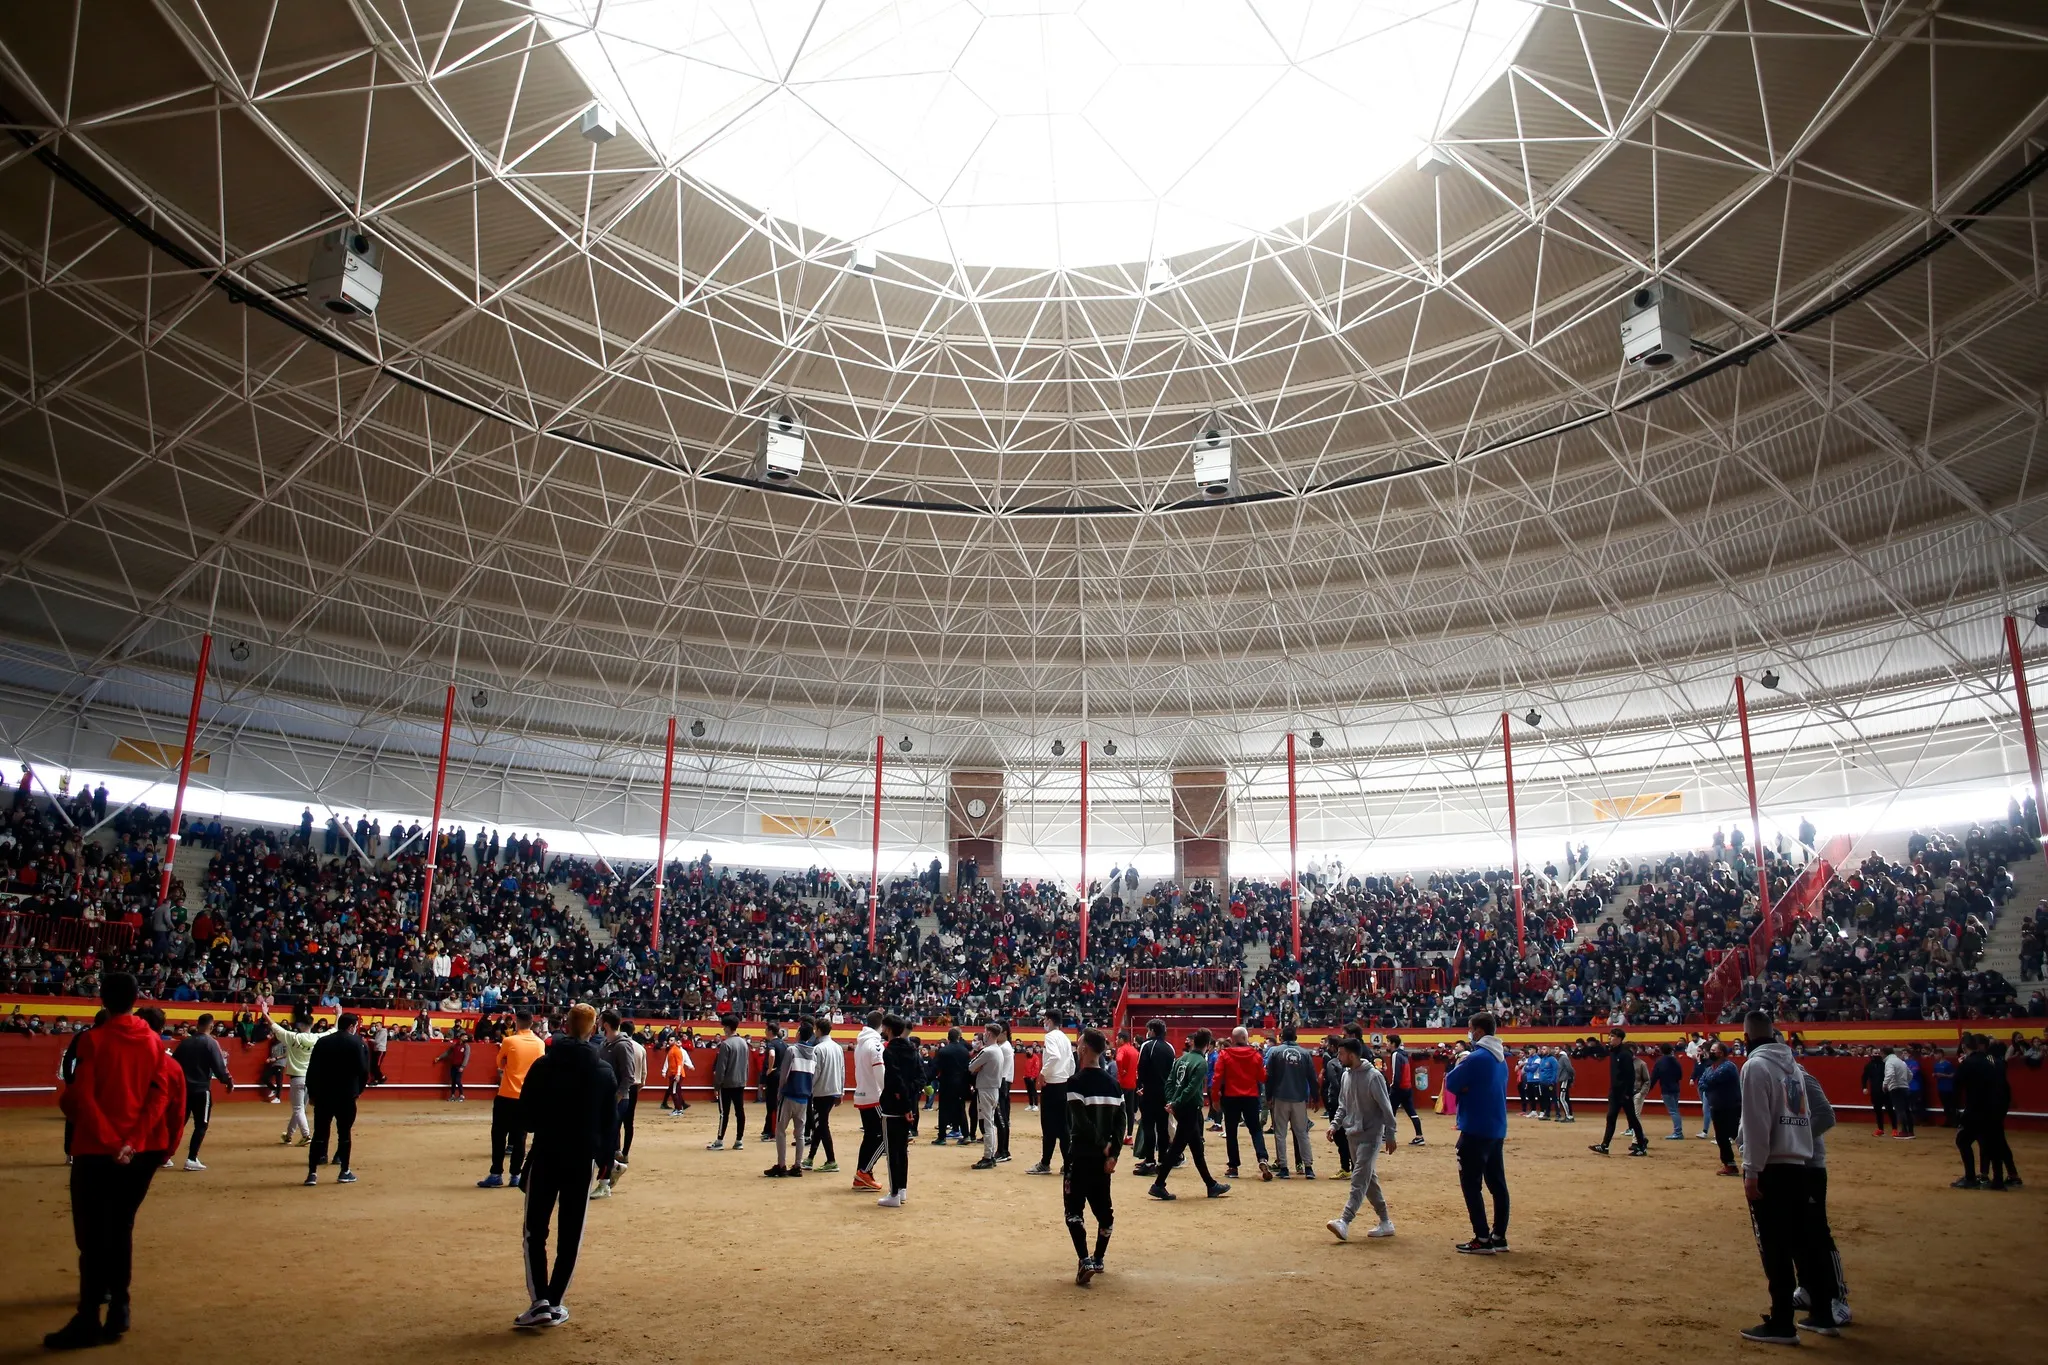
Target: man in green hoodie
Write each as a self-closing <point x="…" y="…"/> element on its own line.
<point x="1095" y="1139"/>
<point x="1186" y="1087"/>
<point x="298" y="1052"/>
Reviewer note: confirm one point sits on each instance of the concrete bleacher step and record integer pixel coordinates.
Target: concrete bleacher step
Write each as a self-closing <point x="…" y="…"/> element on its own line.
<point x="576" y="905"/>
<point x="1256" y="956"/>
<point x="2002" y="948"/>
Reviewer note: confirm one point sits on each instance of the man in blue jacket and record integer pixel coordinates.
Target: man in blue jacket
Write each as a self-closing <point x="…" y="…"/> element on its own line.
<point x="1480" y="1081"/>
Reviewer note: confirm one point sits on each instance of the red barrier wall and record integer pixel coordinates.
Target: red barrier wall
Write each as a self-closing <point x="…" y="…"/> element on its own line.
<point x="28" y="1075"/>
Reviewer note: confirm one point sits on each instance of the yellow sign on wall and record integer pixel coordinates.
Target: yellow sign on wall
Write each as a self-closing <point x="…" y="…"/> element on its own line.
<point x="150" y="754"/>
<point x="1650" y="803"/>
<point x="799" y="826"/>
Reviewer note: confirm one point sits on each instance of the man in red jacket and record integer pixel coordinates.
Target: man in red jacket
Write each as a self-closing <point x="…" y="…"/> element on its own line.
<point x="1240" y="1075"/>
<point x="164" y="1140"/>
<point x="117" y="1104"/>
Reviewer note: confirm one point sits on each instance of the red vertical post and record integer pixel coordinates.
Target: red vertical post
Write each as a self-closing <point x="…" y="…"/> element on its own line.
<point x="668" y="772"/>
<point x="1756" y="824"/>
<point x="2019" y="684"/>
<point x="875" y="868"/>
<point x="1507" y="749"/>
<point x="1293" y="848"/>
<point x="434" y="836"/>
<point x="1084" y="850"/>
<point x="163" y="890"/>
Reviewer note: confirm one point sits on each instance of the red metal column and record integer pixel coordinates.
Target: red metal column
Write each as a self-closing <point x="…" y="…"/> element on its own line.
<point x="1507" y="749"/>
<point x="668" y="770"/>
<point x="1084" y="850"/>
<point x="875" y="873"/>
<point x="2019" y="684"/>
<point x="163" y="890"/>
<point x="1756" y="824"/>
<point x="1293" y="848"/>
<point x="434" y="837"/>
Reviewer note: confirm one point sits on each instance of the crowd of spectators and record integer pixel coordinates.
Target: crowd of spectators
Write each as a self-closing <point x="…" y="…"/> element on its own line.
<point x="331" y="917"/>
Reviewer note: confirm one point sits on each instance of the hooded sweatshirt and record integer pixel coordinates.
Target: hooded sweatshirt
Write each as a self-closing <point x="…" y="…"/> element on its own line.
<point x="1365" y="1111"/>
<point x="118" y="1094"/>
<point x="1777" y="1123"/>
<point x="1480" y="1081"/>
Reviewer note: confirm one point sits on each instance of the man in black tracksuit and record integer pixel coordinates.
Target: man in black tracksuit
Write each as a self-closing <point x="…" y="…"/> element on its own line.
<point x="950" y="1064"/>
<point x="335" y="1075"/>
<point x="1155" y="1064"/>
<point x="1095" y="1133"/>
<point x="569" y="1105"/>
<point x="200" y="1058"/>
<point x="1621" y="1094"/>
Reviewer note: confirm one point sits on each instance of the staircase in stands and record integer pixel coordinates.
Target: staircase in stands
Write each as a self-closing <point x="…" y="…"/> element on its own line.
<point x="2002" y="948"/>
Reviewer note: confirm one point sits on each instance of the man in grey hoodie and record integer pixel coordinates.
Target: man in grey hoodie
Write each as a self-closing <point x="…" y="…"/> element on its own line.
<point x="1777" y="1144"/>
<point x="729" y="1067"/>
<point x="1834" y="1293"/>
<point x="1365" y="1115"/>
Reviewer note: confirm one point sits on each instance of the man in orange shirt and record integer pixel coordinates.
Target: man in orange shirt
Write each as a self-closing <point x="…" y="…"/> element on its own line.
<point x="517" y="1053"/>
<point x="675" y="1066"/>
<point x="1127" y="1079"/>
<point x="1241" y="1076"/>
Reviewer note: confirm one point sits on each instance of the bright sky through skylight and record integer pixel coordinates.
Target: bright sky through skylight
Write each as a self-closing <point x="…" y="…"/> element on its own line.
<point x="1039" y="132"/>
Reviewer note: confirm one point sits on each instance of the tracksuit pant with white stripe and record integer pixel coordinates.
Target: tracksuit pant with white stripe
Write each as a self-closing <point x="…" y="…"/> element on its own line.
<point x="199" y="1109"/>
<point x="553" y="1183"/>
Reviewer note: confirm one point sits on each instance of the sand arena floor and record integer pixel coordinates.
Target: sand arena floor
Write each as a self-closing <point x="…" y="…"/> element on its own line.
<point x="699" y="1258"/>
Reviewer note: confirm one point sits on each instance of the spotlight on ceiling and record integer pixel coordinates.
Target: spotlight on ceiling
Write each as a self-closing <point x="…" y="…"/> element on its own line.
<point x="1770" y="679"/>
<point x="1215" y="473"/>
<point x="1535" y="718"/>
<point x="2041" y="616"/>
<point x="239" y="651"/>
<point x="696" y="729"/>
<point x="1059" y="747"/>
<point x="1158" y="276"/>
<point x="1315" y="739"/>
<point x="346" y="276"/>
<point x="480" y="699"/>
<point x="782" y="448"/>
<point x="599" y="124"/>
<point x="904" y="744"/>
<point x="863" y="258"/>
<point x="1109" y="747"/>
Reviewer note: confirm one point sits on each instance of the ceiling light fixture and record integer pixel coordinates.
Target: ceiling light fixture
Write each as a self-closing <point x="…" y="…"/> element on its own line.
<point x="599" y="124"/>
<point x="2041" y="616"/>
<point x="1059" y="748"/>
<point x="1215" y="473"/>
<point x="1770" y="679"/>
<point x="480" y="699"/>
<point x="239" y="651"/>
<point x="1109" y="747"/>
<point x="904" y="744"/>
<point x="1315" y="739"/>
<point x="782" y="448"/>
<point x="1535" y="718"/>
<point x="696" y="729"/>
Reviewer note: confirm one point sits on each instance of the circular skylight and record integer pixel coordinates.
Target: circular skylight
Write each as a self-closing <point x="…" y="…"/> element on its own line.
<point x="1038" y="132"/>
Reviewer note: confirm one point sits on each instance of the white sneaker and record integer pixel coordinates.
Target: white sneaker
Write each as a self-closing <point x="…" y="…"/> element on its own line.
<point x="603" y="1190"/>
<point x="1339" y="1229"/>
<point x="168" y="1163"/>
<point x="1843" y="1317"/>
<point x="194" y="1166"/>
<point x="1385" y="1229"/>
<point x="558" y="1315"/>
<point x="540" y="1315"/>
<point x="890" y="1201"/>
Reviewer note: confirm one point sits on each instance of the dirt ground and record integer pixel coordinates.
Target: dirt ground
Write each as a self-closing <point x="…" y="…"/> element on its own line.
<point x="699" y="1258"/>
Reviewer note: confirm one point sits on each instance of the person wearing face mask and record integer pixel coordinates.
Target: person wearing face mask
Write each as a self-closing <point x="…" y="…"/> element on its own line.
<point x="1480" y="1083"/>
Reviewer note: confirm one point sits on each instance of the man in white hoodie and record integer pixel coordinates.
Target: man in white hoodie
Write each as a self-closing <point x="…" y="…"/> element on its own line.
<point x="867" y="1094"/>
<point x="1777" y="1144"/>
<point x="1898" y="1090"/>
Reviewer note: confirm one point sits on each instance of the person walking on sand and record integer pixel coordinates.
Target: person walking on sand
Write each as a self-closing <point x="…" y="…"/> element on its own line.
<point x="1186" y="1087"/>
<point x="1095" y="1139"/>
<point x="569" y="1102"/>
<point x="1480" y="1083"/>
<point x="1365" y="1115"/>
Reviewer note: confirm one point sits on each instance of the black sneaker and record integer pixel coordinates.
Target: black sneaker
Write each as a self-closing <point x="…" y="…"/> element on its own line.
<point x="985" y="1164"/>
<point x="1500" y="1245"/>
<point x="1145" y="1168"/>
<point x="82" y="1331"/>
<point x="1638" y="1150"/>
<point x="1095" y="1264"/>
<point x="1478" y="1246"/>
<point x="1218" y="1190"/>
<point x="1161" y="1192"/>
<point x="1769" y="1333"/>
<point x="1818" y="1325"/>
<point x="1968" y="1182"/>
<point x="116" y="1324"/>
<point x="1084" y="1271"/>
<point x="1599" y="1147"/>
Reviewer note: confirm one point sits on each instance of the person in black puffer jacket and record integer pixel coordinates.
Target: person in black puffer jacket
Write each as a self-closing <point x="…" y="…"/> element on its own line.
<point x="1621" y="1094"/>
<point x="902" y="1084"/>
<point x="570" y="1105"/>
